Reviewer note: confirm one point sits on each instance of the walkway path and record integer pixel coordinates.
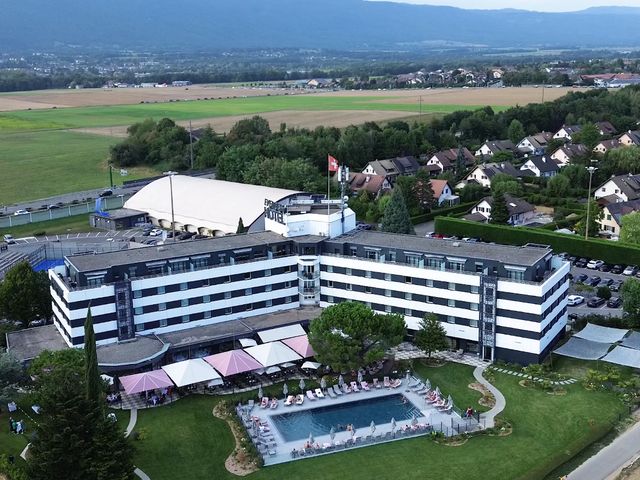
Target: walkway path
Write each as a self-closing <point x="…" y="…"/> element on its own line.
<point x="608" y="462"/>
<point x="141" y="474"/>
<point x="568" y="381"/>
<point x="489" y="417"/>
<point x="133" y="418"/>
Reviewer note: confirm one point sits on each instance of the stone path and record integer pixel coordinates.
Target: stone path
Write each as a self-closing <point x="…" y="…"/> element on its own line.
<point x="141" y="474"/>
<point x="489" y="417"/>
<point x="568" y="381"/>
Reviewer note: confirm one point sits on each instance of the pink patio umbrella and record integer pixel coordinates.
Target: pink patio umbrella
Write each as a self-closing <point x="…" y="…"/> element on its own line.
<point x="233" y="362"/>
<point x="301" y="345"/>
<point x="143" y="382"/>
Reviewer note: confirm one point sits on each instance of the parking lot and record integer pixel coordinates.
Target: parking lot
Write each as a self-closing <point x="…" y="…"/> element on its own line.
<point x="583" y="309"/>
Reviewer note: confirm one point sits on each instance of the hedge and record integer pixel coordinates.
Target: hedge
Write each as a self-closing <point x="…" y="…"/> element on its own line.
<point x="427" y="217"/>
<point x="610" y="252"/>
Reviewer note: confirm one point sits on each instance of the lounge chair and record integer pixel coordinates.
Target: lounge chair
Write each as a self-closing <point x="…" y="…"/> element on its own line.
<point x="319" y="393"/>
<point x="331" y="393"/>
<point x="310" y="395"/>
<point x="300" y="399"/>
<point x="289" y="401"/>
<point x="336" y="389"/>
<point x="354" y="387"/>
<point x="396" y="383"/>
<point x="414" y="383"/>
<point x="274" y="404"/>
<point x="376" y="383"/>
<point x="387" y="382"/>
<point x="416" y="387"/>
<point x="365" y="386"/>
<point x="346" y="388"/>
<point x="250" y="405"/>
<point x="265" y="402"/>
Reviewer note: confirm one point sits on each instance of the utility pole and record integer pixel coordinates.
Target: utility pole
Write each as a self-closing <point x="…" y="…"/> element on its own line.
<point x="586" y="227"/>
<point x="110" y="176"/>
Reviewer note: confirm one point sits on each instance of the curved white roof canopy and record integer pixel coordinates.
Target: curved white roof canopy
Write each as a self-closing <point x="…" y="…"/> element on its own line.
<point x="202" y="203"/>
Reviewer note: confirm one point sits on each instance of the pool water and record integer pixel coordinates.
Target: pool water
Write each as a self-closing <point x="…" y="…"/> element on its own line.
<point x="297" y="425"/>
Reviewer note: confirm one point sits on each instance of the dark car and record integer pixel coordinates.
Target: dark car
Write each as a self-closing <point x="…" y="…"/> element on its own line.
<point x="593" y="281"/>
<point x="185" y="235"/>
<point x="605" y="268"/>
<point x="614" y="302"/>
<point x="581" y="263"/>
<point x="615" y="286"/>
<point x="106" y="193"/>
<point x="200" y="237"/>
<point x="571" y="259"/>
<point x="581" y="278"/>
<point x="606" y="282"/>
<point x="595" y="302"/>
<point x="617" y="269"/>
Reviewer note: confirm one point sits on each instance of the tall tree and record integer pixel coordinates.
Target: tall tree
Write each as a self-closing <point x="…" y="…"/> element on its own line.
<point x="92" y="378"/>
<point x="589" y="136"/>
<point x="558" y="186"/>
<point x="499" y="210"/>
<point x="630" y="232"/>
<point x="515" y="132"/>
<point x="396" y="217"/>
<point x="240" y="228"/>
<point x="12" y="377"/>
<point x="350" y="335"/>
<point x="24" y="294"/>
<point x="631" y="300"/>
<point x="595" y="215"/>
<point x="431" y="337"/>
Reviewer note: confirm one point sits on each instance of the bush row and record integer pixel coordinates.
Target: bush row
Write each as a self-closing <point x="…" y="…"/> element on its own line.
<point x="427" y="217"/>
<point x="611" y="252"/>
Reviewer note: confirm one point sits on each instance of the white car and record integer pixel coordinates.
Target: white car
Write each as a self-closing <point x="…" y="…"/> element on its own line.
<point x="575" y="300"/>
<point x="156" y="232"/>
<point x="21" y="212"/>
<point x="594" y="264"/>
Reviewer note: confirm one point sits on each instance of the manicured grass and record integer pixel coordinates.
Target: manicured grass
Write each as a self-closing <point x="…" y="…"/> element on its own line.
<point x="184" y="440"/>
<point x="74" y="224"/>
<point x="103" y="116"/>
<point x="10" y="443"/>
<point x="42" y="164"/>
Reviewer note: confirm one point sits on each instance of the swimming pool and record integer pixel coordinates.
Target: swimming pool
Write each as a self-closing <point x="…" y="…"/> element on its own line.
<point x="297" y="425"/>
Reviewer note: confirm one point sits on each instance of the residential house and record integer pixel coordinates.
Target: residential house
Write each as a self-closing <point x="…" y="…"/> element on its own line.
<point x="612" y="215"/>
<point x="541" y="166"/>
<point x="490" y="148"/>
<point x="321" y="83"/>
<point x="446" y="160"/>
<point x="606" y="128"/>
<point x="606" y="145"/>
<point x="567" y="132"/>
<point x="376" y="185"/>
<point x="483" y="174"/>
<point x="393" y="167"/>
<point x="621" y="188"/>
<point x="535" y="144"/>
<point x="632" y="137"/>
<point x="443" y="193"/>
<point x="520" y="211"/>
<point x="564" y="154"/>
<point x="406" y="165"/>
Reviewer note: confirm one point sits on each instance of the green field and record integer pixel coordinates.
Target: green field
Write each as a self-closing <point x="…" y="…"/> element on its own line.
<point x="106" y="116"/>
<point x="41" y="164"/>
<point x="59" y="226"/>
<point x="184" y="440"/>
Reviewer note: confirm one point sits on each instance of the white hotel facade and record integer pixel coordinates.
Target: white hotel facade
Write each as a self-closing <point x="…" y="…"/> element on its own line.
<point x="501" y="302"/>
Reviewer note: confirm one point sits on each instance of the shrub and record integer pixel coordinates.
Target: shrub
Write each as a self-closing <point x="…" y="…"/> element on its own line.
<point x="11" y="470"/>
<point x="436" y="212"/>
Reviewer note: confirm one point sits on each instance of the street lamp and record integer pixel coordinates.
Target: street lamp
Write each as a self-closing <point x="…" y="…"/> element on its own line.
<point x="170" y="174"/>
<point x="586" y="227"/>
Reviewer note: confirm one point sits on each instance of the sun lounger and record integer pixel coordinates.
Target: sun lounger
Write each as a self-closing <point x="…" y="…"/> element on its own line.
<point x="319" y="393"/>
<point x="289" y="401"/>
<point x="376" y="383"/>
<point x="300" y="399"/>
<point x="310" y="395"/>
<point x="250" y="405"/>
<point x="354" y="387"/>
<point x="387" y="382"/>
<point x="336" y="389"/>
<point x="265" y="402"/>
<point x="331" y="393"/>
<point x="396" y="383"/>
<point x="365" y="386"/>
<point x="274" y="404"/>
<point x="346" y="388"/>
<point x="414" y="382"/>
<point x="416" y="387"/>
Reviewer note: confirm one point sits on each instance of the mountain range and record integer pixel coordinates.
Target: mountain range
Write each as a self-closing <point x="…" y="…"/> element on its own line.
<point x="170" y="25"/>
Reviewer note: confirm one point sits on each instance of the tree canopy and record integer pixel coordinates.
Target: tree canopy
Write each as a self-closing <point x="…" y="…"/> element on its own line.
<point x="350" y="335"/>
<point x="396" y="217"/>
<point x="499" y="210"/>
<point x="12" y="377"/>
<point x="631" y="299"/>
<point x="431" y="337"/>
<point x="25" y="295"/>
<point x="630" y="232"/>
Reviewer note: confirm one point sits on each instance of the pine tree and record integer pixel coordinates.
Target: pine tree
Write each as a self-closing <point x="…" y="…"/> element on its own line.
<point x="241" y="228"/>
<point x="499" y="210"/>
<point x="432" y="336"/>
<point x="461" y="163"/>
<point x="92" y="379"/>
<point x="396" y="217"/>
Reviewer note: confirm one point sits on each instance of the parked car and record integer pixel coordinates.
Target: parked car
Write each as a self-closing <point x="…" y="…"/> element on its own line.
<point x="606" y="282"/>
<point x="8" y="239"/>
<point x="571" y="259"/>
<point x="574" y="300"/>
<point x="106" y="193"/>
<point x="146" y="233"/>
<point x="53" y="207"/>
<point x="593" y="281"/>
<point x="615" y="286"/>
<point x="581" y="278"/>
<point x="630" y="270"/>
<point x="185" y="235"/>
<point x="581" y="263"/>
<point x="594" y="264"/>
<point x="614" y="302"/>
<point x="156" y="232"/>
<point x="21" y="212"/>
<point x="617" y="269"/>
<point x="605" y="268"/>
<point x="595" y="302"/>
<point x="37" y="323"/>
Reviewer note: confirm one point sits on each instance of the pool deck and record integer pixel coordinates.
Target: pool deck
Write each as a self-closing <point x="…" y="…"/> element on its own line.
<point x="444" y="422"/>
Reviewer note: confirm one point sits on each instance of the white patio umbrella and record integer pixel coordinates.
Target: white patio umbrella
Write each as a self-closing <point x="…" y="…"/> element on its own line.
<point x="427" y="384"/>
<point x="414" y="421"/>
<point x="373" y="427"/>
<point x="340" y="380"/>
<point x="359" y="376"/>
<point x="285" y="390"/>
<point x="449" y="401"/>
<point x="260" y="391"/>
<point x="393" y="424"/>
<point x="311" y="439"/>
<point x="438" y="393"/>
<point x="310" y="365"/>
<point x="302" y="384"/>
<point x="107" y="378"/>
<point x="408" y="377"/>
<point x="332" y="433"/>
<point x="272" y="370"/>
<point x="323" y="383"/>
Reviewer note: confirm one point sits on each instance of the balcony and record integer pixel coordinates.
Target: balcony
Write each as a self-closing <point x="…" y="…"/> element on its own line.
<point x="302" y="275"/>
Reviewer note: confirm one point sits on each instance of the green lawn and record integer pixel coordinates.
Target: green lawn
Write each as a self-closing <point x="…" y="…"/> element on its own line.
<point x="42" y="164"/>
<point x="453" y="379"/>
<point x="74" y="224"/>
<point x="104" y="116"/>
<point x="184" y="440"/>
<point x="10" y="443"/>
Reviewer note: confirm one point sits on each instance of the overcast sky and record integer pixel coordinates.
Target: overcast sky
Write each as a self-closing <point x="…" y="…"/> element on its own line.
<point x="539" y="5"/>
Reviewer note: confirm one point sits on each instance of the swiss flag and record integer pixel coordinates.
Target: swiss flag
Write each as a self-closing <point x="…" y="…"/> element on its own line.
<point x="333" y="164"/>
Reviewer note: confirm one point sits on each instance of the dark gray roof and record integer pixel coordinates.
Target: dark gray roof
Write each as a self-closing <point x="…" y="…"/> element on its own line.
<point x="493" y="169"/>
<point x="406" y="165"/>
<point x="27" y="344"/>
<point x="497" y="146"/>
<point x="618" y="210"/>
<point x="515" y="205"/>
<point x="628" y="184"/>
<point x="86" y="263"/>
<point x="544" y="163"/>
<point x="525" y="256"/>
<point x="137" y="352"/>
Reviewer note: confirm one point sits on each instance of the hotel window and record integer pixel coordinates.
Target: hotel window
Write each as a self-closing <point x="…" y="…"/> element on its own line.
<point x="408" y="312"/>
<point x="451" y="319"/>
<point x="408" y="296"/>
<point x="367" y="274"/>
<point x="178" y="266"/>
<point x="330" y="283"/>
<point x="474" y="289"/>
<point x="428" y="299"/>
<point x="268" y="303"/>
<point x="353" y="251"/>
<point x="227" y="295"/>
<point x="451" y="286"/>
<point x="387" y="293"/>
<point x="287" y="269"/>
<point x="95" y="281"/>
<point x="248" y="291"/>
<point x="458" y="266"/>
<point x="137" y="293"/>
<point x="133" y="271"/>
<point x="161" y="290"/>
<point x="287" y="300"/>
<point x="488" y="310"/>
<point x="199" y="262"/>
<point x="185" y="318"/>
<point x="138" y="311"/>
<point x="247" y="275"/>
<point x="436" y="263"/>
<point x="367" y="289"/>
<point x="367" y="304"/>
<point x="162" y="306"/>
<point x="330" y="268"/>
<point x="163" y="322"/>
<point x="329" y="299"/>
<point x="372" y="254"/>
<point x="184" y="302"/>
<point x="227" y="279"/>
<point x="392" y="256"/>
<point x="479" y="267"/>
<point x="348" y="272"/>
<point x="387" y="277"/>
<point x="206" y="299"/>
<point x="249" y="306"/>
<point x="451" y="303"/>
<point x="348" y="286"/>
<point x="207" y="314"/>
<point x="408" y="280"/>
<point x="473" y="306"/>
<point x="473" y="323"/>
<point x="287" y="284"/>
<point x="228" y="311"/>
<point x="429" y="283"/>
<point x="267" y="272"/>
<point x="517" y="275"/>
<point x="387" y="308"/>
<point x="413" y="260"/>
<point x="268" y="287"/>
<point x="139" y="327"/>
